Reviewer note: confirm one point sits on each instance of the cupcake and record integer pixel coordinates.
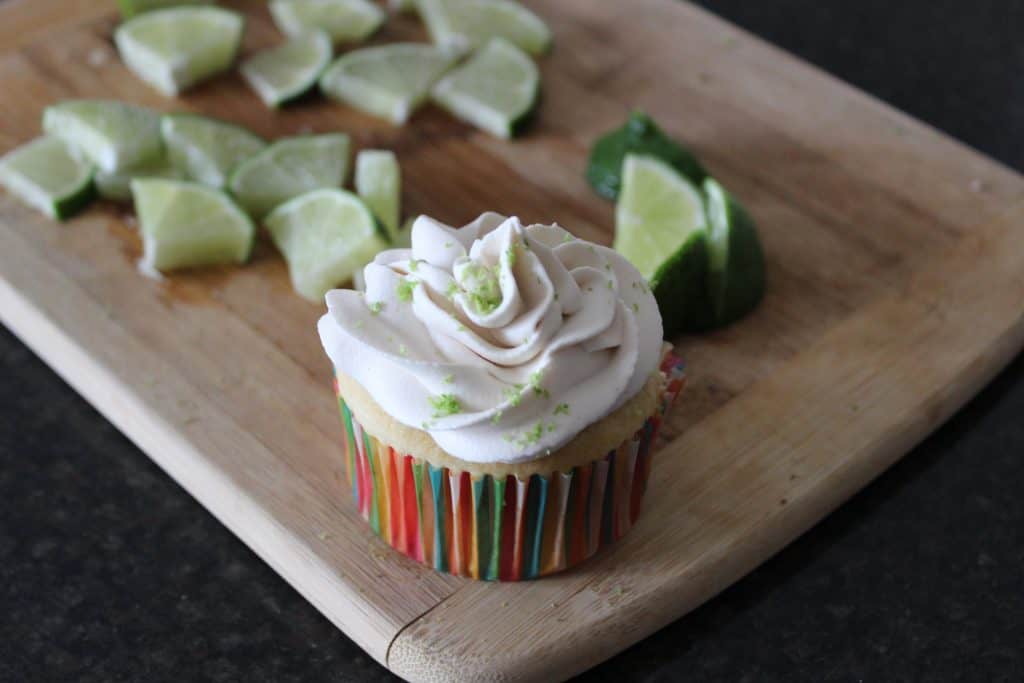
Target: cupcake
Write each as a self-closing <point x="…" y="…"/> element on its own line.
<point x="501" y="387"/>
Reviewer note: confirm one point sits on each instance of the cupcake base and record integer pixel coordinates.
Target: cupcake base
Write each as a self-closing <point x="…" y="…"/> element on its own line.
<point x="502" y="528"/>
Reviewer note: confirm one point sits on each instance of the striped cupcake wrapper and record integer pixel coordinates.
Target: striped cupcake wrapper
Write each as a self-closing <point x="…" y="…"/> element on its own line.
<point x="502" y="528"/>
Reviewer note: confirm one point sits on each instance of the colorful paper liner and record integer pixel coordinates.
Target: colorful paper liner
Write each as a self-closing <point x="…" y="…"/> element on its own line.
<point x="501" y="528"/>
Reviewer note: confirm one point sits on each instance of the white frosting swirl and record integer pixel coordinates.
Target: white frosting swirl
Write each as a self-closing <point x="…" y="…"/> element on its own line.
<point x="501" y="341"/>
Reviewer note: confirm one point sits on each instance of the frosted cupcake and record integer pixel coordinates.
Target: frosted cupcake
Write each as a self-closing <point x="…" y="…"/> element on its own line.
<point x="501" y="387"/>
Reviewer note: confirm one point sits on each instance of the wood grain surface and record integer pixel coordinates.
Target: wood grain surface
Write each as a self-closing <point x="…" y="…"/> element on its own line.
<point x="896" y="289"/>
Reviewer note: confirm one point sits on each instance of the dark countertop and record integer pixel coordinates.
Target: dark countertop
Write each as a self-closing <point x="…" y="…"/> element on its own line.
<point x="110" y="572"/>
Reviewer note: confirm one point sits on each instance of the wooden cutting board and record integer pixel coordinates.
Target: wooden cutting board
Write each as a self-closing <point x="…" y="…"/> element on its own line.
<point x="896" y="290"/>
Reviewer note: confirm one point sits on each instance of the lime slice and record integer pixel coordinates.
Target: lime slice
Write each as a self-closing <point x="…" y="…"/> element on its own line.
<point x="288" y="168"/>
<point x="173" y="49"/>
<point x="346" y="21"/>
<point x="462" y="25"/>
<point x="187" y="224"/>
<point x="379" y="183"/>
<point x="206" y="149"/>
<point x="112" y="135"/>
<point x="495" y="90"/>
<point x="288" y="71"/>
<point x="118" y="186"/>
<point x="660" y="226"/>
<point x="129" y="8"/>
<point x="736" y="279"/>
<point x="390" y="81"/>
<point x="47" y="176"/>
<point x="325" y="236"/>
<point x="639" y="135"/>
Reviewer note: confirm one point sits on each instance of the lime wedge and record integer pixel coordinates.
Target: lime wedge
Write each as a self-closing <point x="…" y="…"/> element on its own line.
<point x="47" y="176"/>
<point x="346" y="21"/>
<point x="288" y="168"/>
<point x="462" y="25"/>
<point x="173" y="49"/>
<point x="736" y="280"/>
<point x="639" y="135"/>
<point x="286" y="72"/>
<point x="379" y="183"/>
<point x="660" y="226"/>
<point x="325" y="236"/>
<point x="206" y="149"/>
<point x="495" y="90"/>
<point x="129" y="8"/>
<point x="390" y="81"/>
<point x="186" y="224"/>
<point x="112" y="135"/>
<point x="118" y="186"/>
<point x="402" y="5"/>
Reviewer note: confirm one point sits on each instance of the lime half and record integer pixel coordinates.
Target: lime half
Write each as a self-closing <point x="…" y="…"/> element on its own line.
<point x="345" y="21"/>
<point x="389" y="81"/>
<point x="379" y="183"/>
<point x="186" y="224"/>
<point x="495" y="90"/>
<point x="639" y="135"/>
<point x="47" y="176"/>
<point x="462" y="25"/>
<point x="206" y="149"/>
<point x="112" y="135"/>
<point x="736" y="279"/>
<point x="325" y="236"/>
<point x="129" y="8"/>
<point x="173" y="49"/>
<point x="288" y="168"/>
<point x="283" y="73"/>
<point x="660" y="226"/>
<point x="118" y="186"/>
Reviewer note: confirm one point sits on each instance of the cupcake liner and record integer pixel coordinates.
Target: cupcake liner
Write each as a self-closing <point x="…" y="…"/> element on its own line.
<point x="502" y="528"/>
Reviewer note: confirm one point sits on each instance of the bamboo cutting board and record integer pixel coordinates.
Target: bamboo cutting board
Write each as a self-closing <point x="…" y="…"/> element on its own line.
<point x="896" y="290"/>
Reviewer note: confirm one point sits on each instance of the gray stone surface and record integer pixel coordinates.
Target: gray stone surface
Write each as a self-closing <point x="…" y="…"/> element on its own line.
<point x="110" y="572"/>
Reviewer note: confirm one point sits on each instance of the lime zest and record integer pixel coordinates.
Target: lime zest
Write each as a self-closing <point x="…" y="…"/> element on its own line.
<point x="445" y="405"/>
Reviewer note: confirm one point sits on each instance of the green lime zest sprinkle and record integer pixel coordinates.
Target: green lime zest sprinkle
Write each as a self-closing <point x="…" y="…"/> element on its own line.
<point x="562" y="409"/>
<point x="402" y="350"/>
<point x="376" y="307"/>
<point x="510" y="254"/>
<point x="535" y="380"/>
<point x="611" y="285"/>
<point x="358" y="324"/>
<point x="496" y="418"/>
<point x="461" y="328"/>
<point x="445" y="405"/>
<point x="482" y="288"/>
<point x="636" y="307"/>
<point x="448" y="379"/>
<point x="567" y="238"/>
<point x="453" y="289"/>
<point x="404" y="289"/>
<point x="414" y="265"/>
<point x="449" y="245"/>
<point x="514" y="395"/>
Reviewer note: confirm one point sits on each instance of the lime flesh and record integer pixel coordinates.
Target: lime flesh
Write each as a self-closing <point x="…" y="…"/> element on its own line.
<point x="379" y="184"/>
<point x="286" y="72"/>
<point x="114" y="136"/>
<point x="325" y="236"/>
<point x="118" y="186"/>
<point x="173" y="49"/>
<point x="206" y="149"/>
<point x="495" y="90"/>
<point x="389" y="81"/>
<point x="47" y="176"/>
<point x="186" y="224"/>
<point x="288" y="168"/>
<point x="345" y="21"/>
<point x="129" y="8"/>
<point x="462" y="25"/>
<point x="736" y="272"/>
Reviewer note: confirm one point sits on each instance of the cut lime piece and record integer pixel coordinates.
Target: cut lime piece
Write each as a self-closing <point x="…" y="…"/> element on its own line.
<point x="112" y="135"/>
<point x="325" y="236"/>
<point x="47" y="176"/>
<point x="660" y="226"/>
<point x="118" y="186"/>
<point x="129" y="8"/>
<point x="379" y="183"/>
<point x="390" y="81"/>
<point x="206" y="149"/>
<point x="462" y="25"/>
<point x="495" y="90"/>
<point x="288" y="168"/>
<point x="345" y="21"/>
<point x="736" y="280"/>
<point x="402" y="5"/>
<point x="173" y="49"/>
<point x="186" y="224"/>
<point x="286" y="72"/>
<point x="639" y="135"/>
